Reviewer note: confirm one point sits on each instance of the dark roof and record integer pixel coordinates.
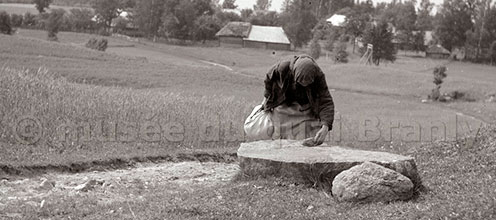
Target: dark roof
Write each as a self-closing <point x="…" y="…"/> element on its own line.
<point x="235" y="29"/>
<point x="437" y="49"/>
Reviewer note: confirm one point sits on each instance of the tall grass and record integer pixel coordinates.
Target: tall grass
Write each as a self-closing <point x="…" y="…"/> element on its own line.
<point x="155" y="120"/>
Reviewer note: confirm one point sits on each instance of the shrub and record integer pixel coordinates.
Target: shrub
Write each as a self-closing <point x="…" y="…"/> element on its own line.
<point x="315" y="49"/>
<point x="96" y="44"/>
<point x="439" y="74"/>
<point x="54" y="22"/>
<point x="120" y="25"/>
<point x="29" y="20"/>
<point x="329" y="44"/>
<point x="81" y="19"/>
<point x="341" y="54"/>
<point x="5" y="25"/>
<point x="16" y="20"/>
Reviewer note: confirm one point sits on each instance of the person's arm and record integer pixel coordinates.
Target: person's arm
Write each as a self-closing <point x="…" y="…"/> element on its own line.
<point x="268" y="85"/>
<point x="325" y="111"/>
<point x="326" y="104"/>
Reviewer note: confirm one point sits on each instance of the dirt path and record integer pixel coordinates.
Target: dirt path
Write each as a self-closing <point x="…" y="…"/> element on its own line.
<point x="33" y="191"/>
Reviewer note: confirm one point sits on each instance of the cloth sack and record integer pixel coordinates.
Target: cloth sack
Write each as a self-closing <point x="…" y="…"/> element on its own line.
<point x="259" y="125"/>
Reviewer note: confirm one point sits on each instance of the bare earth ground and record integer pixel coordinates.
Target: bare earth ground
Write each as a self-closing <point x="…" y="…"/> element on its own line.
<point x="458" y="175"/>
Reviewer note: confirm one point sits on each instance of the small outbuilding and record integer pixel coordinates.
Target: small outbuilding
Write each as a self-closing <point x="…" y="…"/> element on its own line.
<point x="233" y="33"/>
<point x="243" y="34"/>
<point x="267" y="37"/>
<point x="437" y="52"/>
<point x="337" y="20"/>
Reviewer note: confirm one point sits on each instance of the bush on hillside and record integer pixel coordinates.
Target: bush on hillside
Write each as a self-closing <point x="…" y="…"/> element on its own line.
<point x="54" y="22"/>
<point x="81" y="19"/>
<point x="29" y="20"/>
<point x="5" y="25"/>
<point x="16" y="20"/>
<point x="341" y="54"/>
<point x="96" y="44"/>
<point x="439" y="74"/>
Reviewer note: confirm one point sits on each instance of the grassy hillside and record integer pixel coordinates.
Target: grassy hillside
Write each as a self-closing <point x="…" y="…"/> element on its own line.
<point x="161" y="84"/>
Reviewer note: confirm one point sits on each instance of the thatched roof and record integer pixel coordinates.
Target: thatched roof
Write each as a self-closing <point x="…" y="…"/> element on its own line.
<point x="437" y="49"/>
<point x="235" y="29"/>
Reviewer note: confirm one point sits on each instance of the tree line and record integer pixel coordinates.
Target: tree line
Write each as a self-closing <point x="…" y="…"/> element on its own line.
<point x="467" y="24"/>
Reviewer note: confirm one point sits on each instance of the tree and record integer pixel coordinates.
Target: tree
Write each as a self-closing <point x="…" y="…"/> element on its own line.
<point x="262" y="5"/>
<point x="298" y="22"/>
<point x="479" y="36"/>
<point x="424" y="18"/>
<point x="381" y="39"/>
<point x="178" y="19"/>
<point x="148" y="14"/>
<point x="454" y="20"/>
<point x="356" y="23"/>
<point x="418" y="41"/>
<point x="107" y="10"/>
<point x="81" y="19"/>
<point x="29" y="20"/>
<point x="53" y="22"/>
<point x="226" y="17"/>
<point x="229" y="4"/>
<point x="5" y="25"/>
<point x="492" y="52"/>
<point x="203" y="7"/>
<point x="328" y="7"/>
<point x="246" y="14"/>
<point x="267" y="18"/>
<point x="42" y="4"/>
<point x="16" y="20"/>
<point x="206" y="27"/>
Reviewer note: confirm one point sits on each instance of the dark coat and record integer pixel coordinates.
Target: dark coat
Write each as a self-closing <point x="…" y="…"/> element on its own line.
<point x="302" y="70"/>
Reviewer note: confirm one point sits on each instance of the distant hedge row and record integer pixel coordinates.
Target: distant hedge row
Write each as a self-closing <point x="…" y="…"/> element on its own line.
<point x="77" y="3"/>
<point x="77" y="20"/>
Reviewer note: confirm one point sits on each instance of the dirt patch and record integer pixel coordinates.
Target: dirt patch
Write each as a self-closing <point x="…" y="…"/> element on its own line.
<point x="32" y="191"/>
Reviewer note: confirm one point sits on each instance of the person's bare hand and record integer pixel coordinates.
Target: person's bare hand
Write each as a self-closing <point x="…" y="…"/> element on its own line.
<point x="321" y="135"/>
<point x="309" y="142"/>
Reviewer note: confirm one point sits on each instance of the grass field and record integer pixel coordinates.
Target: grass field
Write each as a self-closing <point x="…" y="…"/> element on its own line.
<point x="173" y="99"/>
<point x="167" y="84"/>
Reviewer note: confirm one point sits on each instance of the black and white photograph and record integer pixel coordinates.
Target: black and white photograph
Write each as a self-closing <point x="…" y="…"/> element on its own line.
<point x="248" y="109"/>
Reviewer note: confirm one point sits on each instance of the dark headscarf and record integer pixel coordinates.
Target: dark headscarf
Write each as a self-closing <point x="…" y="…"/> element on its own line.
<point x="304" y="69"/>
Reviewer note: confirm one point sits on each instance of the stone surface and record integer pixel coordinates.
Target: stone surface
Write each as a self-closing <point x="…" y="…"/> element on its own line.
<point x="318" y="165"/>
<point x="87" y="186"/>
<point x="46" y="184"/>
<point x="370" y="182"/>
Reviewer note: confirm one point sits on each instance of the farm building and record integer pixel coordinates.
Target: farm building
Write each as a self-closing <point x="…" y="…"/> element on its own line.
<point x="337" y="20"/>
<point x="437" y="51"/>
<point x="243" y="34"/>
<point x="233" y="33"/>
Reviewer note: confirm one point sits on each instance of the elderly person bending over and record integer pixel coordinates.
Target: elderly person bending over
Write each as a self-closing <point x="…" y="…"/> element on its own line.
<point x="297" y="104"/>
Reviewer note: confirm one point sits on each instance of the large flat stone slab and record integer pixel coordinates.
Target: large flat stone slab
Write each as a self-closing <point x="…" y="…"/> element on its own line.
<point x="318" y="165"/>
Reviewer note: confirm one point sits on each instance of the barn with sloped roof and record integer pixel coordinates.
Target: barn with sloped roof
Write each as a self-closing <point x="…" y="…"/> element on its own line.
<point x="243" y="34"/>
<point x="233" y="33"/>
